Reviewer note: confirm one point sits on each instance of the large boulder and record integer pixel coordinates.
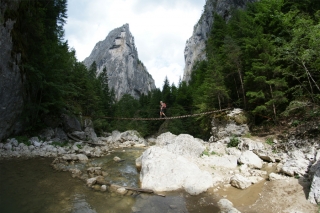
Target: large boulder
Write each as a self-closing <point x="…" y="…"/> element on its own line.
<point x="130" y="137"/>
<point x="296" y="164"/>
<point x="240" y="181"/>
<point x="165" y="139"/>
<point x="314" y="194"/>
<point x="249" y="144"/>
<point x="251" y="159"/>
<point x="186" y="145"/>
<point x="70" y="123"/>
<point x="229" y="124"/>
<point x="165" y="171"/>
<point x="225" y="161"/>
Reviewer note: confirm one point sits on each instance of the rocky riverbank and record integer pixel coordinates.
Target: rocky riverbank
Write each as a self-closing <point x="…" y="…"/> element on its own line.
<point x="289" y="181"/>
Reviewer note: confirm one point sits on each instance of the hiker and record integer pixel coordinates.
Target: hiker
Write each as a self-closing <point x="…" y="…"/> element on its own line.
<point x="163" y="106"/>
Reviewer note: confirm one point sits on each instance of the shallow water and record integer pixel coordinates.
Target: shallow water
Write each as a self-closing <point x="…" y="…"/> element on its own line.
<point x="32" y="185"/>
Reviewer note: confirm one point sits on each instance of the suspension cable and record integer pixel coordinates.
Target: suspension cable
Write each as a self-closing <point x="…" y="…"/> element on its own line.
<point x="167" y="118"/>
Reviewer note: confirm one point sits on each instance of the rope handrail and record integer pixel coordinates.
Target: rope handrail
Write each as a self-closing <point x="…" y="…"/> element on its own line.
<point x="167" y="118"/>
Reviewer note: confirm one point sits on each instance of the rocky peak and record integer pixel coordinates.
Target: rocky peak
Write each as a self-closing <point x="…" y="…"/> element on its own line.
<point x="196" y="44"/>
<point x="119" y="55"/>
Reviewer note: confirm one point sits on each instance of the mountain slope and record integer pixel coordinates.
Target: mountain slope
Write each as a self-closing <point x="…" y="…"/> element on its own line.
<point x="119" y="55"/>
<point x="196" y="44"/>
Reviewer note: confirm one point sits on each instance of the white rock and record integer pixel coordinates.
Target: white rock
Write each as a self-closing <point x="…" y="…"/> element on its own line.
<point x="103" y="188"/>
<point x="14" y="142"/>
<point x="240" y="182"/>
<point x="295" y="166"/>
<point x="7" y="146"/>
<point x="274" y="176"/>
<point x="251" y="159"/>
<point x="233" y="151"/>
<point x="226" y="206"/>
<point x="121" y="191"/>
<point x="117" y="159"/>
<point x="82" y="157"/>
<point x="249" y="144"/>
<point x="34" y="139"/>
<point x="186" y="145"/>
<point x="226" y="161"/>
<point x="164" y="171"/>
<point x="165" y="139"/>
<point x="91" y="181"/>
<point x="255" y="179"/>
<point x="265" y="155"/>
<point x="218" y="147"/>
<point x="31" y="147"/>
<point x="36" y="143"/>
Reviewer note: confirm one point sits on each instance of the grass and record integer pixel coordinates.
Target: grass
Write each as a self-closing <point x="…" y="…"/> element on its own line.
<point x="206" y="152"/>
<point x="79" y="146"/>
<point x="247" y="135"/>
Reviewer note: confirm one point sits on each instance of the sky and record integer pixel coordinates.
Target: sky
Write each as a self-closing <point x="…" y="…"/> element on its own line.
<point x="160" y="29"/>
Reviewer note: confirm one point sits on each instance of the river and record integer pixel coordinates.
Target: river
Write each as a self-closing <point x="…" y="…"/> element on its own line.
<point x="32" y="185"/>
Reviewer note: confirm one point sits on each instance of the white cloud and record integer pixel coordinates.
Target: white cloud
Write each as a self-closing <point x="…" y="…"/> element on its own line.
<point x="160" y="28"/>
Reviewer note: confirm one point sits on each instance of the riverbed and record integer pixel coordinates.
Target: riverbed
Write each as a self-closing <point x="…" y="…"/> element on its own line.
<point x="32" y="185"/>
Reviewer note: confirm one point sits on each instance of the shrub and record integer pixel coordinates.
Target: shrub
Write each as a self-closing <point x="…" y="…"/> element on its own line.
<point x="295" y="123"/>
<point x="23" y="139"/>
<point x="234" y="141"/>
<point x="269" y="140"/>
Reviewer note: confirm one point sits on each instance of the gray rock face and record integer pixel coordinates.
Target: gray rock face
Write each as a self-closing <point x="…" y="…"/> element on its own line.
<point x="314" y="194"/>
<point x="196" y="44"/>
<point x="11" y="79"/>
<point x="119" y="55"/>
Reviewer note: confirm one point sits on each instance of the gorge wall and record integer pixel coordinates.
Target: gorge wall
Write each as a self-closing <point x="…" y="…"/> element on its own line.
<point x="11" y="79"/>
<point x="196" y="44"/>
<point x="119" y="55"/>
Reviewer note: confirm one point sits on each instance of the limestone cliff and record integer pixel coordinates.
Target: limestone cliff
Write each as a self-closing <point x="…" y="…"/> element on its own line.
<point x="11" y="79"/>
<point x="196" y="44"/>
<point x="126" y="73"/>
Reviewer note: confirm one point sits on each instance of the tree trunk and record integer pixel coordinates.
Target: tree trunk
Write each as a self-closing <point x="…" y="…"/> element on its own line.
<point x="273" y="105"/>
<point x="242" y="86"/>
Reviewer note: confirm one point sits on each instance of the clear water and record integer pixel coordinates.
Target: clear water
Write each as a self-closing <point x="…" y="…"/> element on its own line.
<point x="32" y="185"/>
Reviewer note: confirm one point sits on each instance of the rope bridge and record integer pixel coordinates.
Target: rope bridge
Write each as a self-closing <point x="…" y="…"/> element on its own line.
<point x="168" y="118"/>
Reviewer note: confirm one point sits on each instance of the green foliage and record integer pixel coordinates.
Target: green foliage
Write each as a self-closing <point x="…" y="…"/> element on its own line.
<point x="247" y="135"/>
<point x="79" y="146"/>
<point x="207" y="153"/>
<point x="295" y="123"/>
<point x="269" y="141"/>
<point x="234" y="141"/>
<point x="265" y="59"/>
<point x="59" y="143"/>
<point x="23" y="139"/>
